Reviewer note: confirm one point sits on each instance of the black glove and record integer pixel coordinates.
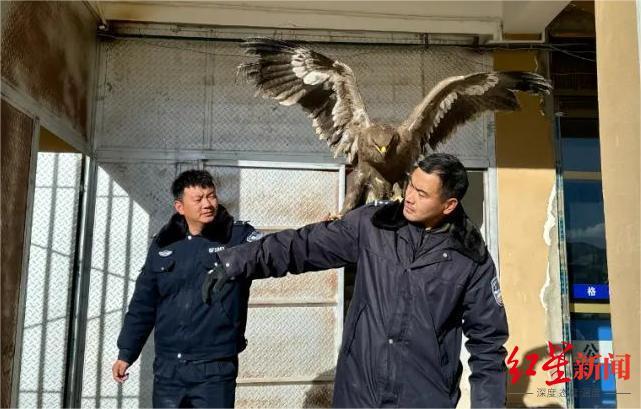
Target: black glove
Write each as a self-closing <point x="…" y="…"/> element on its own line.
<point x="216" y="278"/>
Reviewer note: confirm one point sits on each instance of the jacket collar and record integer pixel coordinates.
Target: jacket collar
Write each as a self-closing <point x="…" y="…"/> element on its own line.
<point x="176" y="229"/>
<point x="464" y="236"/>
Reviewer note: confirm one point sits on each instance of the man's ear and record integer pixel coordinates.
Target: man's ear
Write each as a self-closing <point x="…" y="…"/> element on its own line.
<point x="180" y="208"/>
<point x="450" y="206"/>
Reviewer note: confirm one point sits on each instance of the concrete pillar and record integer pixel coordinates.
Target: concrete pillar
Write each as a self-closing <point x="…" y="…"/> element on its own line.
<point x="619" y="127"/>
<point x="528" y="239"/>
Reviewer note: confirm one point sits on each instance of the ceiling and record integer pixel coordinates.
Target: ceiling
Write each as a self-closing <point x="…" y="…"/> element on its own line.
<point x="490" y="20"/>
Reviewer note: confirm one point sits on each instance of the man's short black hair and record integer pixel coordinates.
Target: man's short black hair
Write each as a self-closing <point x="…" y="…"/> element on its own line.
<point x="453" y="175"/>
<point x="191" y="178"/>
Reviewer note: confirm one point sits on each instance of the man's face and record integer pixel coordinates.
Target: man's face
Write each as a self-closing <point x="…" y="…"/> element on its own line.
<point x="198" y="205"/>
<point x="424" y="203"/>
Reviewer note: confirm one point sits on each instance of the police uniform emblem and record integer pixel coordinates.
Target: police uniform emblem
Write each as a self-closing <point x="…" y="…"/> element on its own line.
<point x="496" y="291"/>
<point x="256" y="235"/>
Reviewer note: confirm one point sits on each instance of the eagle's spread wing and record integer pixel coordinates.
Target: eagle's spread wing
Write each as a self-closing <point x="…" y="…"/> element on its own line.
<point x="456" y="100"/>
<point x="325" y="88"/>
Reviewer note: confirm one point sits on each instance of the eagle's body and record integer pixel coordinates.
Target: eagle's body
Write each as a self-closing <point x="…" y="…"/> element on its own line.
<point x="382" y="154"/>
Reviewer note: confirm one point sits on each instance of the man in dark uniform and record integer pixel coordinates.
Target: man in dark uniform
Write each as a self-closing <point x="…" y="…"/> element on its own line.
<point x="197" y="344"/>
<point x="424" y="278"/>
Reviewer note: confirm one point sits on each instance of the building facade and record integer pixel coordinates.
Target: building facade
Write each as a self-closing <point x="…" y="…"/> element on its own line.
<point x="129" y="94"/>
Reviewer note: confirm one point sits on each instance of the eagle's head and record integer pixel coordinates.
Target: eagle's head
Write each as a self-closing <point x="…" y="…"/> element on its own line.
<point x="381" y="140"/>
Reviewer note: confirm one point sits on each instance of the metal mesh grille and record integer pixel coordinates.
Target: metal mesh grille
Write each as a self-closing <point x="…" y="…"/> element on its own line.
<point x="51" y="258"/>
<point x="190" y="89"/>
<point x="130" y="200"/>
<point x="269" y="197"/>
<point x="241" y="122"/>
<point x="155" y="94"/>
<point x="289" y="343"/>
<point x="148" y="185"/>
<point x="318" y="395"/>
<point x="319" y="287"/>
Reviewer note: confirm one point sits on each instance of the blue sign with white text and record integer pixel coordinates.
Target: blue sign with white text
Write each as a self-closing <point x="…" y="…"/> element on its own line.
<point x="591" y="291"/>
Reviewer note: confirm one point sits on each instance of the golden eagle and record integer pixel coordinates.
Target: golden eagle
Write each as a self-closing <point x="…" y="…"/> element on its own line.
<point x="382" y="154"/>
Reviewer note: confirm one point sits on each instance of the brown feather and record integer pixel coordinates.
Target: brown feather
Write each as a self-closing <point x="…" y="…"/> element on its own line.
<point x="324" y="88"/>
<point x="457" y="100"/>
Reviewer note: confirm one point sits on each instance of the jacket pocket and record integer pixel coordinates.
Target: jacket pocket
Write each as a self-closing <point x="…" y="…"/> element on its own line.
<point x="162" y="265"/>
<point x="442" y="358"/>
<point x="227" y="319"/>
<point x="351" y="334"/>
<point x="163" y="368"/>
<point x="229" y="302"/>
<point x="223" y="368"/>
<point x="163" y="270"/>
<point x="445" y="361"/>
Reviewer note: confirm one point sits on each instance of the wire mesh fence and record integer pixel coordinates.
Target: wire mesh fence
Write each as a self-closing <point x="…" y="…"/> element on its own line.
<point x="168" y="94"/>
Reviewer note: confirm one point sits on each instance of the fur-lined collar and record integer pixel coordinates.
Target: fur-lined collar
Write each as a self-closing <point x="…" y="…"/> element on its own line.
<point x="466" y="237"/>
<point x="176" y="229"/>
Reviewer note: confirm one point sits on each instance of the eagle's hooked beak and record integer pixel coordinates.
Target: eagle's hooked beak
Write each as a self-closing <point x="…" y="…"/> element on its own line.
<point x="382" y="149"/>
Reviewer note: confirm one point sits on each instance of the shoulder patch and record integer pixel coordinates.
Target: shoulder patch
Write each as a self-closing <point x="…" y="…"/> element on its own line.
<point x="255" y="235"/>
<point x="496" y="291"/>
<point x="165" y="253"/>
<point x="380" y="202"/>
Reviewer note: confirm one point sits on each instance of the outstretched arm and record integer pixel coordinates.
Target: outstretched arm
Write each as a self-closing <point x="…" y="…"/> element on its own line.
<point x="314" y="247"/>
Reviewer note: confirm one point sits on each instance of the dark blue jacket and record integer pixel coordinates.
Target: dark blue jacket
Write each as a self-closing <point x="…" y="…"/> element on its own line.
<point x="168" y="295"/>
<point x="416" y="293"/>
